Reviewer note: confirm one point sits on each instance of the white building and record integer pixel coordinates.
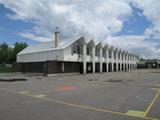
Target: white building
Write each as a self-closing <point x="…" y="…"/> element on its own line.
<point x="74" y="55"/>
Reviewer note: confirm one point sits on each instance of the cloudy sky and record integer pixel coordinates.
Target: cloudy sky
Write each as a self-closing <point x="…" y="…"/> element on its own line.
<point x="129" y="24"/>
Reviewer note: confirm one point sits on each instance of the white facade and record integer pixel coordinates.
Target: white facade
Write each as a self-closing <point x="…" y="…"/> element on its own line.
<point x="80" y="50"/>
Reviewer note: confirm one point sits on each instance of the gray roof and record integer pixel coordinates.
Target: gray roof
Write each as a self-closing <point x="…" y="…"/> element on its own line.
<point x="47" y="46"/>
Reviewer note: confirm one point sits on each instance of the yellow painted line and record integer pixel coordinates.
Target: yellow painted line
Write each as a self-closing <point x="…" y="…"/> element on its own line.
<point x="155" y="89"/>
<point x="135" y="113"/>
<point x="158" y="85"/>
<point x="90" y="108"/>
<point x="39" y="96"/>
<point x="152" y="103"/>
<point x="78" y="105"/>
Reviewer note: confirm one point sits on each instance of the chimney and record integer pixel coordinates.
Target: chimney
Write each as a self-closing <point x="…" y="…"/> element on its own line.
<point x="57" y="39"/>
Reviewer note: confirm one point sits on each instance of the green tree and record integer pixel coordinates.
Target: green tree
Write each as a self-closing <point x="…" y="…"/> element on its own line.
<point x="5" y="52"/>
<point x="8" y="54"/>
<point x="17" y="48"/>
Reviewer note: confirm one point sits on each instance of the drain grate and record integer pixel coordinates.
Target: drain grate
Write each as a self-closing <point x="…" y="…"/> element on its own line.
<point x="13" y="80"/>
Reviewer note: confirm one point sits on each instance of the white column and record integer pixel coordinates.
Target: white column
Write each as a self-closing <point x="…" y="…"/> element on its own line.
<point x="84" y="58"/>
<point x="120" y="62"/>
<point x="100" y="59"/>
<point x="112" y="61"/>
<point x="93" y="59"/>
<point x="130" y="62"/>
<point x="126" y="62"/>
<point x="117" y="66"/>
<point x="107" y="61"/>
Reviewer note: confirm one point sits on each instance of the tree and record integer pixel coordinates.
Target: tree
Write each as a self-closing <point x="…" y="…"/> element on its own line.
<point x="8" y="54"/>
<point x="5" y="51"/>
<point x="17" y="48"/>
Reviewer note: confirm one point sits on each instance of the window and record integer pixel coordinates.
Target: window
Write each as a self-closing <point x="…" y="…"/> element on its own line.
<point x="119" y="55"/>
<point x="104" y="53"/>
<point x="110" y="54"/>
<point x="88" y="51"/>
<point x="114" y="55"/>
<point x="76" y="49"/>
<point x="97" y="51"/>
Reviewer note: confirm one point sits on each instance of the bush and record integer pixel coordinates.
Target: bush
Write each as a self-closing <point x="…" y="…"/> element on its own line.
<point x="6" y="68"/>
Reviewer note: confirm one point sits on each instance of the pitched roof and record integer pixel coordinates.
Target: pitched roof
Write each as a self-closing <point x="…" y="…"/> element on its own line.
<point x="47" y="46"/>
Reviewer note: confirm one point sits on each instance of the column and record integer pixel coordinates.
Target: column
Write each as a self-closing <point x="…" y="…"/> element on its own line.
<point x="100" y="59"/>
<point x="130" y="62"/>
<point x="112" y="61"/>
<point x="93" y="59"/>
<point x="84" y="58"/>
<point x="117" y="66"/>
<point x="120" y="60"/>
<point x="126" y="62"/>
<point x="107" y="61"/>
<point x="136" y="66"/>
<point x="62" y="66"/>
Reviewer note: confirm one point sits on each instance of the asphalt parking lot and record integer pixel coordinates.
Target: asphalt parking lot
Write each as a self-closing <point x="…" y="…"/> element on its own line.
<point x="133" y="95"/>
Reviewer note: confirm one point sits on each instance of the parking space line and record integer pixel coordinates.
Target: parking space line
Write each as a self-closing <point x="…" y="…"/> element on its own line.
<point x="24" y="92"/>
<point x="135" y="113"/>
<point x="152" y="103"/>
<point x="78" y="105"/>
<point x="40" y="96"/>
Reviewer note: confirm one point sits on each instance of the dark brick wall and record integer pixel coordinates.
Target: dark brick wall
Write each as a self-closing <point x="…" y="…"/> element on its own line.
<point x="53" y="67"/>
<point x="69" y="67"/>
<point x="38" y="67"/>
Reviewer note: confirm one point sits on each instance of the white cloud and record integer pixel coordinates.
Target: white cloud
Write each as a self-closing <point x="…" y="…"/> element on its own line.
<point x="151" y="9"/>
<point x="34" y="37"/>
<point x="137" y="44"/>
<point x="92" y="18"/>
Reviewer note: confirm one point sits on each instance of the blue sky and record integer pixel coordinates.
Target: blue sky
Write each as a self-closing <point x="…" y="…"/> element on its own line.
<point x="127" y="24"/>
<point x="135" y="24"/>
<point x="9" y="28"/>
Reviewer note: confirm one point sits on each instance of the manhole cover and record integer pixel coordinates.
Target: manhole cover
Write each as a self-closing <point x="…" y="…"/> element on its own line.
<point x="12" y="80"/>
